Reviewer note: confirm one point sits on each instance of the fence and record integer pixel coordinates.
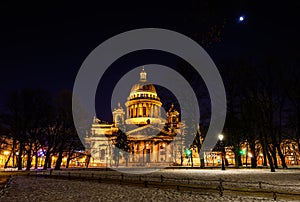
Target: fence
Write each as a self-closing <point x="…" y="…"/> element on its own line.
<point x="219" y="186"/>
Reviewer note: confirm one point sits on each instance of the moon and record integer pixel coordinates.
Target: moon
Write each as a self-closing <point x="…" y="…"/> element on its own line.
<point x="241" y="18"/>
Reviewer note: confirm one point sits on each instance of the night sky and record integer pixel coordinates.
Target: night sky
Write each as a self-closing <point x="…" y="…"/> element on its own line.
<point x="43" y="45"/>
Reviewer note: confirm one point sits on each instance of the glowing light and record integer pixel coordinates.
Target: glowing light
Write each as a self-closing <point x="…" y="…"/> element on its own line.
<point x="243" y="151"/>
<point x="6" y="152"/>
<point x="241" y="18"/>
<point x="221" y="137"/>
<point x="188" y="152"/>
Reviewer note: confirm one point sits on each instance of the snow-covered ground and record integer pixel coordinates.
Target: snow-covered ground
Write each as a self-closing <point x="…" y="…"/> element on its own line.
<point x="41" y="189"/>
<point x="281" y="180"/>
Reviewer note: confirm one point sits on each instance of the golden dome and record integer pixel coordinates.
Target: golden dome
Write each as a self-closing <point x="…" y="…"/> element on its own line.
<point x="142" y="87"/>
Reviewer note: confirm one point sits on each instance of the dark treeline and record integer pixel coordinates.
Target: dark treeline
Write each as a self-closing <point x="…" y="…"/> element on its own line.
<point x="263" y="108"/>
<point x="34" y="124"/>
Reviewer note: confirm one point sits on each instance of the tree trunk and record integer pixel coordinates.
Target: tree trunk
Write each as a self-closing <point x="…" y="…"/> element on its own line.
<point x="181" y="158"/>
<point x="270" y="160"/>
<point x="253" y="161"/>
<point x="49" y="163"/>
<point x="28" y="165"/>
<point x="201" y="158"/>
<point x="68" y="161"/>
<point x="202" y="164"/>
<point x="59" y="159"/>
<point x="282" y="158"/>
<point x="237" y="157"/>
<point x="253" y="158"/>
<point x="46" y="160"/>
<point x="246" y="156"/>
<point x="6" y="162"/>
<point x="264" y="151"/>
<point x="13" y="151"/>
<point x="126" y="158"/>
<point x="36" y="160"/>
<point x="274" y="156"/>
<point x="87" y="161"/>
<point x="20" y="159"/>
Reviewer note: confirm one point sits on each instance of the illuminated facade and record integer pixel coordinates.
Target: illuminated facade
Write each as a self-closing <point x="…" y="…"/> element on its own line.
<point x="148" y="134"/>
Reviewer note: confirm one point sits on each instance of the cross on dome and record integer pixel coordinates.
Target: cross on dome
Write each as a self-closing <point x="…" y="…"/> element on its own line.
<point x="143" y="75"/>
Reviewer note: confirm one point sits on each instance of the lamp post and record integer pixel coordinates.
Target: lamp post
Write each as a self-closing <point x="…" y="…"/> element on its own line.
<point x="222" y="149"/>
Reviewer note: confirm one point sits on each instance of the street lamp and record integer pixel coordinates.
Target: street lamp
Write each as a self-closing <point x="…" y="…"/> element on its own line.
<point x="222" y="149"/>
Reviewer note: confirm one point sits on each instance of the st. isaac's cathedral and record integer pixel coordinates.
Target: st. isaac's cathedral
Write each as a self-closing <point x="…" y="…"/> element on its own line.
<point x="148" y="139"/>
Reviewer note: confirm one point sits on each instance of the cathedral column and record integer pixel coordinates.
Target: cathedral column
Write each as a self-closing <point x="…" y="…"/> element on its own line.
<point x="135" y="152"/>
<point x="158" y="152"/>
<point x="151" y="110"/>
<point x="132" y="108"/>
<point x="140" y="110"/>
<point x="159" y="112"/>
<point x="156" y="111"/>
<point x="134" y="111"/>
<point x="147" y="109"/>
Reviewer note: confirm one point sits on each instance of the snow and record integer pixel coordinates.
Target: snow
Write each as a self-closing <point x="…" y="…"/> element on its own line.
<point x="41" y="189"/>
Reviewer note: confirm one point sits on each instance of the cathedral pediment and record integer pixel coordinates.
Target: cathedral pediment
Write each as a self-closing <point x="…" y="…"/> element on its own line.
<point x="148" y="132"/>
